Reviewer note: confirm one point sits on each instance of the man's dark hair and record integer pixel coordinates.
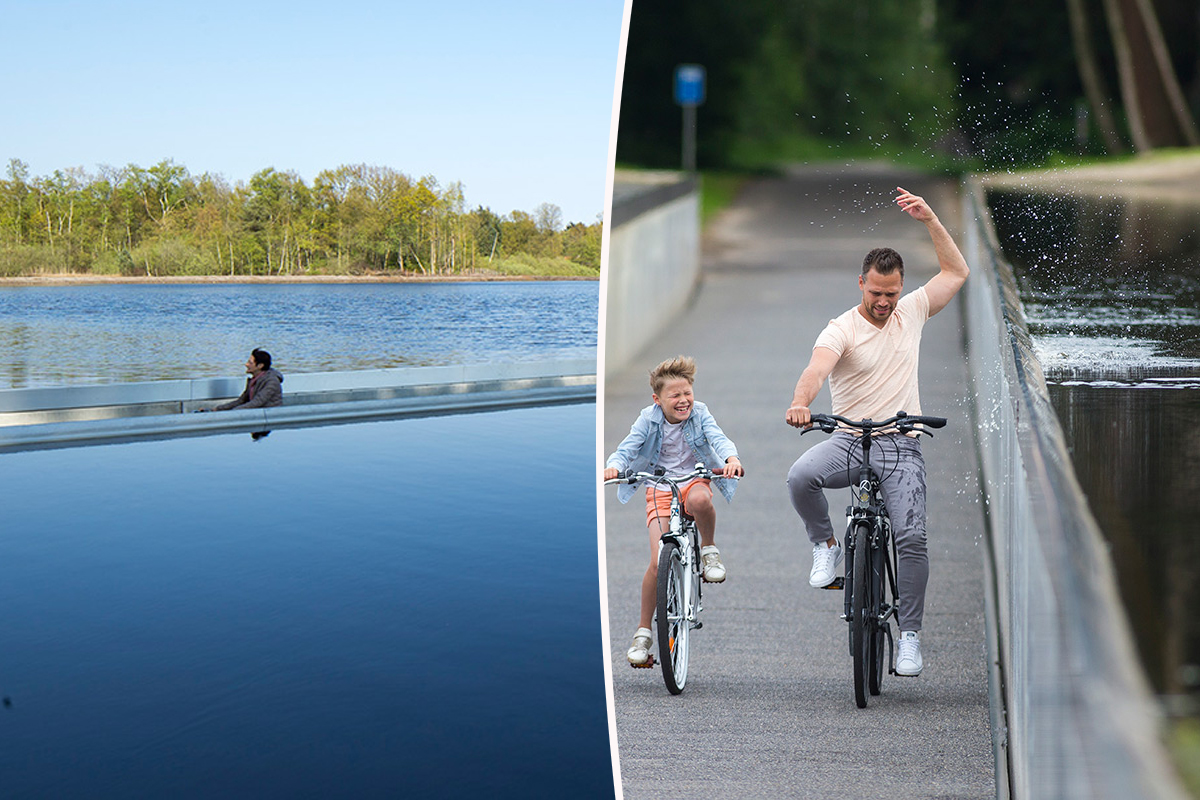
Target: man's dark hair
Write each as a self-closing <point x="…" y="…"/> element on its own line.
<point x="262" y="358"/>
<point x="883" y="260"/>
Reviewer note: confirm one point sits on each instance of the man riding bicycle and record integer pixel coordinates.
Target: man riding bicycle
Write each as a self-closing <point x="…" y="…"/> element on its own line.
<point x="870" y="354"/>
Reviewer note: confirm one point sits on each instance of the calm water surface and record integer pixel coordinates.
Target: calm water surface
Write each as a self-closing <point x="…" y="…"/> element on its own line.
<point x="1111" y="289"/>
<point x="385" y="609"/>
<point x="60" y="335"/>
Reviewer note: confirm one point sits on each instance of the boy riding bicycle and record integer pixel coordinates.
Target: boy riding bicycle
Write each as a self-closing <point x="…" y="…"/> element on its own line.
<point x="674" y="434"/>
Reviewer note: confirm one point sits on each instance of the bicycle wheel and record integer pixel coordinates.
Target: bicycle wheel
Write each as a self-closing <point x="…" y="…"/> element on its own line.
<point x="875" y="678"/>
<point x="673" y="627"/>
<point x="860" y="629"/>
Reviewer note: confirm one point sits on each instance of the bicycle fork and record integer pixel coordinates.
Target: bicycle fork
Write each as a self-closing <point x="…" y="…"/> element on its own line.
<point x="689" y="554"/>
<point x="875" y="545"/>
<point x="892" y="609"/>
<point x="871" y="544"/>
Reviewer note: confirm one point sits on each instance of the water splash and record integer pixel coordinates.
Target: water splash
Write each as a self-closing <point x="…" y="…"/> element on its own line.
<point x="1110" y="285"/>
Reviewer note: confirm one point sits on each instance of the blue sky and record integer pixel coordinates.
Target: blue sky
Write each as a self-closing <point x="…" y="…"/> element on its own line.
<point x="513" y="99"/>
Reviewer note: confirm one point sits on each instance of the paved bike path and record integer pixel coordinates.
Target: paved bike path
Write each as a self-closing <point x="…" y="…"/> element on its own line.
<point x="769" y="707"/>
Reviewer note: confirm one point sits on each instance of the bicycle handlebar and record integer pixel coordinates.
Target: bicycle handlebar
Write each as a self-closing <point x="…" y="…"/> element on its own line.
<point x="700" y="471"/>
<point x="903" y="422"/>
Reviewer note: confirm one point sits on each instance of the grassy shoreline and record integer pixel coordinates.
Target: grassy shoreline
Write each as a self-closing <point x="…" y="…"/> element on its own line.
<point x="83" y="279"/>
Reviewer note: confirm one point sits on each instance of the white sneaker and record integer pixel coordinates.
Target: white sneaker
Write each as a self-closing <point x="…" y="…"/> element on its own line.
<point x="639" y="653"/>
<point x="714" y="570"/>
<point x="908" y="662"/>
<point x="824" y="568"/>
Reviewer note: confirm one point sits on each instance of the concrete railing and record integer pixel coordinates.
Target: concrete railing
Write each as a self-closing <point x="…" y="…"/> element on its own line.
<point x="653" y="262"/>
<point x="71" y="415"/>
<point x="1080" y="719"/>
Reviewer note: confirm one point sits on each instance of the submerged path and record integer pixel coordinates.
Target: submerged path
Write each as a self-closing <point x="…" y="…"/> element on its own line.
<point x="769" y="708"/>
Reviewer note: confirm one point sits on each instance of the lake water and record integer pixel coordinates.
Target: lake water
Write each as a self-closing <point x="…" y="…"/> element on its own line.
<point x="389" y="609"/>
<point x="1111" y="290"/>
<point x="62" y="335"/>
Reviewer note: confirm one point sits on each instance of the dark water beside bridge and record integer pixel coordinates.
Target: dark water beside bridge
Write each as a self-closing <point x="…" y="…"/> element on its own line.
<point x="1111" y="291"/>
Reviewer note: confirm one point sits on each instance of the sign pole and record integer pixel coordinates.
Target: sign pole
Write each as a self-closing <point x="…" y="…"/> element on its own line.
<point x="689" y="93"/>
<point x="689" y="138"/>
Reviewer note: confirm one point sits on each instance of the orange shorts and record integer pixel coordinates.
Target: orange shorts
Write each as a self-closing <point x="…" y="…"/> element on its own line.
<point x="658" y="501"/>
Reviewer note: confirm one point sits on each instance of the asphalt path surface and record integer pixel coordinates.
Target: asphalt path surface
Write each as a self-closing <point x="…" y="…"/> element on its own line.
<point x="769" y="708"/>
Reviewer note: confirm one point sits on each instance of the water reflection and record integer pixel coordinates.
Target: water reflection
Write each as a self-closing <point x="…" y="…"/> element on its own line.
<point x="1137" y="454"/>
<point x="1111" y="289"/>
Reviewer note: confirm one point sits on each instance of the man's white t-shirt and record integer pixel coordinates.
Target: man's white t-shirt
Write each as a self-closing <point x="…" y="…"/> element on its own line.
<point x="876" y="372"/>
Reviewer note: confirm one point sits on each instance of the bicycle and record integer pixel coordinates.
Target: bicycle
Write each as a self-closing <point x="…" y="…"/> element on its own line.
<point x="678" y="607"/>
<point x="869" y="533"/>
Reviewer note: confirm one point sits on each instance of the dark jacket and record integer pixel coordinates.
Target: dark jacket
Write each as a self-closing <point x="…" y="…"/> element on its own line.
<point x="266" y="389"/>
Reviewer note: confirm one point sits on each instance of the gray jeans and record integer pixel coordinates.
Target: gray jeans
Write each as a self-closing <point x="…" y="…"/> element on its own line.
<point x="897" y="459"/>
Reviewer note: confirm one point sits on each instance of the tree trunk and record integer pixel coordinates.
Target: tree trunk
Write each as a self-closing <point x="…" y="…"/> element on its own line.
<point x="419" y="264"/>
<point x="1166" y="72"/>
<point x="1093" y="82"/>
<point x="1143" y="85"/>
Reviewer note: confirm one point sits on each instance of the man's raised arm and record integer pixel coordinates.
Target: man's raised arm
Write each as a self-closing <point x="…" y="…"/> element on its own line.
<point x="953" y="267"/>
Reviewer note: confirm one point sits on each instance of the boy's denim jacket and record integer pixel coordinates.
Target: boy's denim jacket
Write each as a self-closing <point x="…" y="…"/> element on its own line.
<point x="640" y="450"/>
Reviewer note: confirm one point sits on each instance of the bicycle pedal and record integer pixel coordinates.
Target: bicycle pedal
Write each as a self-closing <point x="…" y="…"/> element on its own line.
<point x="647" y="665"/>
<point x="838" y="584"/>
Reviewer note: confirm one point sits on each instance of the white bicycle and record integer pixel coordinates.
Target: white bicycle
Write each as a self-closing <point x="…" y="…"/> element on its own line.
<point x="678" y="607"/>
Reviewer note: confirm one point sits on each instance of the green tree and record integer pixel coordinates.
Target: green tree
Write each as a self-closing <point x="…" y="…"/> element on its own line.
<point x="582" y="244"/>
<point x="519" y="232"/>
<point x="276" y="215"/>
<point x="851" y="71"/>
<point x="163" y="221"/>
<point x="15" y="212"/>
<point x="161" y="188"/>
<point x="488" y="230"/>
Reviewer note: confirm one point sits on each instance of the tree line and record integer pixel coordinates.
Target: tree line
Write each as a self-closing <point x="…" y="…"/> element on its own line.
<point x="161" y="220"/>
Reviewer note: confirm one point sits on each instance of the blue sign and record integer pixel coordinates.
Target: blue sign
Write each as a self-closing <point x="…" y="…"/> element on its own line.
<point x="689" y="84"/>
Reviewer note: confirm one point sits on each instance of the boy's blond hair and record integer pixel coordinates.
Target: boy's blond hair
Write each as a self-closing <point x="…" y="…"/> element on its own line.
<point x="672" y="369"/>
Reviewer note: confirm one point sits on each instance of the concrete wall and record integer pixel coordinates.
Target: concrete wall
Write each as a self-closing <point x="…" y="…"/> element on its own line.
<point x="74" y="415"/>
<point x="653" y="264"/>
<point x="1080" y="721"/>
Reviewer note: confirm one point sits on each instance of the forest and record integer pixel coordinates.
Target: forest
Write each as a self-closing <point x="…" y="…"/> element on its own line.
<point x="953" y="85"/>
<point x="355" y="219"/>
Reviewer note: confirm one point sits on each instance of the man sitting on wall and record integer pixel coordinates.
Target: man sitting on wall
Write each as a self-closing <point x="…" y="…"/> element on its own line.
<point x="264" y="387"/>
